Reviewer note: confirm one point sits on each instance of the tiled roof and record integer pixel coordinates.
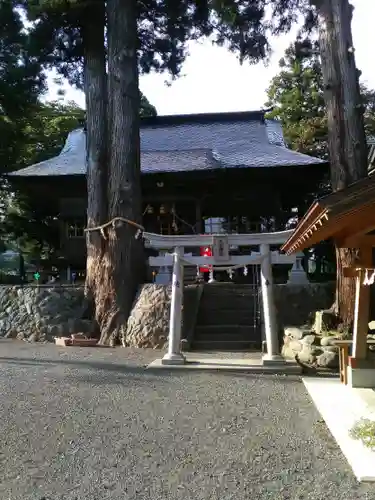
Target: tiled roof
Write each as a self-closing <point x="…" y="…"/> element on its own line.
<point x="190" y="142"/>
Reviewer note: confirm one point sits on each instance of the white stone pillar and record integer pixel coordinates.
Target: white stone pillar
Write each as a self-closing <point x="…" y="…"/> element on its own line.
<point x="211" y="278"/>
<point x="297" y="275"/>
<point x="269" y="312"/>
<point x="174" y="355"/>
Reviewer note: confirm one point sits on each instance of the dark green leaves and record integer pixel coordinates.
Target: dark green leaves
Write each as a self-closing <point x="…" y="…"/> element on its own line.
<point x="21" y="83"/>
<point x="164" y="29"/>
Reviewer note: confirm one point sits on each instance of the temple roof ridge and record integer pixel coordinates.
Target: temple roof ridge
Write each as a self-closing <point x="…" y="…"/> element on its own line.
<point x="182" y="143"/>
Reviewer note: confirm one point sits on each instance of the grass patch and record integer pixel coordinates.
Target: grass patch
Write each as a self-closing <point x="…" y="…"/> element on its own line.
<point x="364" y="431"/>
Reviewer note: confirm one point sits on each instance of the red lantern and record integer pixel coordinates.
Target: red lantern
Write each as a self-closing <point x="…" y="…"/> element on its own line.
<point x="205" y="252"/>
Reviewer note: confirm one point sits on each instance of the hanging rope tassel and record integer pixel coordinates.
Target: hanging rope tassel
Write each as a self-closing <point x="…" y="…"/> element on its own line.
<point x="369" y="280"/>
<point x="198" y="272"/>
<point x="366" y="278"/>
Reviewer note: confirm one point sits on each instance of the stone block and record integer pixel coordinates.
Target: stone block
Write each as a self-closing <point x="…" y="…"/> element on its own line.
<point x="295" y="332"/>
<point x="148" y="323"/>
<point x="331" y="348"/>
<point x="328" y="360"/>
<point x="309" y="340"/>
<point x="11" y="334"/>
<point x="63" y="341"/>
<point x="327" y="341"/>
<point x="309" y="353"/>
<point x="287" y="352"/>
<point x="324" y="321"/>
<point x="295" y="346"/>
<point x="34" y="337"/>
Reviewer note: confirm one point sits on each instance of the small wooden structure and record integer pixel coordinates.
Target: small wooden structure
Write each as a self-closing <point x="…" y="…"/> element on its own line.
<point x="343" y="347"/>
<point x="348" y="218"/>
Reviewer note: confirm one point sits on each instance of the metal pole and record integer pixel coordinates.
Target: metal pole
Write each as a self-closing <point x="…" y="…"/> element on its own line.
<point x="174" y="355"/>
<point x="269" y="313"/>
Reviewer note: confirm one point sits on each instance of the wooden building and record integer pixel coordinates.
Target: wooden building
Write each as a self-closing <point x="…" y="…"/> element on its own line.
<point x="348" y="218"/>
<point x="205" y="173"/>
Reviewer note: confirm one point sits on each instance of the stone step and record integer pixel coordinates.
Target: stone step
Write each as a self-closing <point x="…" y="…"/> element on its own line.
<point x="227" y="333"/>
<point x="225" y="345"/>
<point x="229" y="329"/>
<point x="231" y="289"/>
<point x="237" y="303"/>
<point x="190" y="275"/>
<point x="227" y="316"/>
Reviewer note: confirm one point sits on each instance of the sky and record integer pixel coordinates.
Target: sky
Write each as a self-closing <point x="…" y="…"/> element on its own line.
<point x="214" y="81"/>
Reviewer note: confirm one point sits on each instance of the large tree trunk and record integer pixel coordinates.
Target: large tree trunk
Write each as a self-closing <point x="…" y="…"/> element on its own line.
<point x="95" y="82"/>
<point x="346" y="133"/>
<point x="122" y="261"/>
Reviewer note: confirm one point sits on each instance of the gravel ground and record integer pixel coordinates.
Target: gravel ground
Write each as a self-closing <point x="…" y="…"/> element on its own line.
<point x="91" y="424"/>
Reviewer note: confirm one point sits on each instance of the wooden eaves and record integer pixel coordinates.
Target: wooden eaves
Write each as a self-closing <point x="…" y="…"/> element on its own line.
<point x="346" y="216"/>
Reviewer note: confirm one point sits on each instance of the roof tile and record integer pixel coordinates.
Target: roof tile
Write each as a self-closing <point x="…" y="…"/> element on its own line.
<point x="194" y="145"/>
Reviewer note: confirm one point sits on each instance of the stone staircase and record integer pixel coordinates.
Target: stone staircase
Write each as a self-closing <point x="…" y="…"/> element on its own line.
<point x="228" y="318"/>
<point x="190" y="275"/>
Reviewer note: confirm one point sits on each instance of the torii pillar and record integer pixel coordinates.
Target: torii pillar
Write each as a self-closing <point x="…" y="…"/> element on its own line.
<point x="269" y="312"/>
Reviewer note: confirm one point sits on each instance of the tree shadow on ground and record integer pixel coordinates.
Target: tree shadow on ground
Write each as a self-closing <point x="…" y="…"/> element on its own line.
<point x="99" y="365"/>
<point x="121" y="370"/>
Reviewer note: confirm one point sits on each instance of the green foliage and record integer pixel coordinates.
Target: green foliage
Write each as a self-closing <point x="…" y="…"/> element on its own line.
<point x="21" y="83"/>
<point x="364" y="431"/>
<point x="47" y="129"/>
<point x="42" y="136"/>
<point x="164" y="30"/>
<point x="27" y="220"/>
<point x="296" y="96"/>
<point x="30" y="226"/>
<point x="146" y="108"/>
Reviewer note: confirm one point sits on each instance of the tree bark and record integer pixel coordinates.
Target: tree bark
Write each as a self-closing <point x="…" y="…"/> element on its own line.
<point x="122" y="261"/>
<point x="346" y="133"/>
<point x="95" y="84"/>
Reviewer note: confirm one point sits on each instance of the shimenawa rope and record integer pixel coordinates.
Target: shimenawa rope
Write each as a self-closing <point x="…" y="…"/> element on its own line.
<point x="112" y="222"/>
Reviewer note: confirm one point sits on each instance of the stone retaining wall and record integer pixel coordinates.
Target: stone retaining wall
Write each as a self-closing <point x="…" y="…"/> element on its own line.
<point x="42" y="313"/>
<point x="295" y="304"/>
<point x="148" y="323"/>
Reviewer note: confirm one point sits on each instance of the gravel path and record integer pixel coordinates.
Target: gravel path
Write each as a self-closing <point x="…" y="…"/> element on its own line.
<point x="92" y="424"/>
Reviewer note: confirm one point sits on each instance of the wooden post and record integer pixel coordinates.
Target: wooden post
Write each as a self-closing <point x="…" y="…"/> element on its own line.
<point x="361" y="308"/>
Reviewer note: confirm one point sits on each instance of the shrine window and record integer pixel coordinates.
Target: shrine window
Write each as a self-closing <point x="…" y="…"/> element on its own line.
<point x="231" y="225"/>
<point x="214" y="225"/>
<point x="75" y="228"/>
